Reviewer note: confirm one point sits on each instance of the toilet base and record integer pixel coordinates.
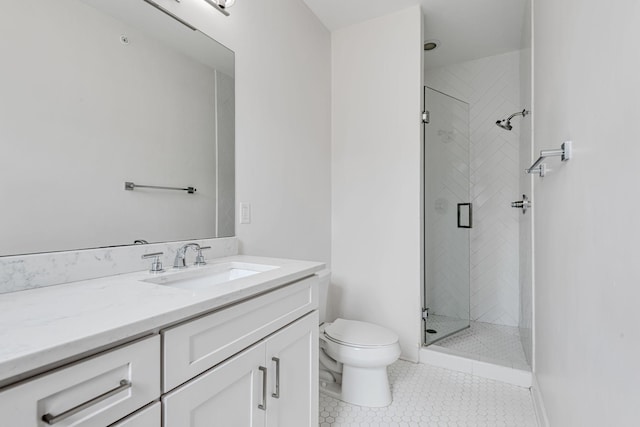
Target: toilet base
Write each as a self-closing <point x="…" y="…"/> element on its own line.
<point x="331" y="389"/>
<point x="366" y="386"/>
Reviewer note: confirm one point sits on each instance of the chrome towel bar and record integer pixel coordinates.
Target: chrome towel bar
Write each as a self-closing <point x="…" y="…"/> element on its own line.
<point x="540" y="168"/>
<point x="130" y="186"/>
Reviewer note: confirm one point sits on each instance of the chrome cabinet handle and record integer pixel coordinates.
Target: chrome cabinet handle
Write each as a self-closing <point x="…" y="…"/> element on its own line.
<point x="277" y="393"/>
<point x="263" y="405"/>
<point x="53" y="419"/>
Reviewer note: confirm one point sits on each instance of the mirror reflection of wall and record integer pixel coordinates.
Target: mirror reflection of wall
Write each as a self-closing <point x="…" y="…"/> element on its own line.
<point x="91" y="99"/>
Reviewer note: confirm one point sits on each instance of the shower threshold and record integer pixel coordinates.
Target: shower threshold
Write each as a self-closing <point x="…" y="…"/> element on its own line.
<point x="487" y="342"/>
<point x="440" y="327"/>
<point x="482" y="349"/>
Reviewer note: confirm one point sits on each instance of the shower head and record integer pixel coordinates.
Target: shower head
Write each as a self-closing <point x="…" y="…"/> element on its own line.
<point x="506" y="123"/>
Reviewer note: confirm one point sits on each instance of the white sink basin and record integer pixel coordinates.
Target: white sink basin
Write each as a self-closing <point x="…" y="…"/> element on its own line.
<point x="204" y="278"/>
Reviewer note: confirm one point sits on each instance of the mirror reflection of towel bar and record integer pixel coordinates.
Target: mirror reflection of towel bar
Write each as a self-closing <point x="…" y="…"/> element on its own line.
<point x="130" y="186"/>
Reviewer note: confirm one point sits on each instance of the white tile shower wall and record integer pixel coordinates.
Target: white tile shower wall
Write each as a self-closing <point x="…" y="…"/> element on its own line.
<point x="492" y="88"/>
<point x="18" y="273"/>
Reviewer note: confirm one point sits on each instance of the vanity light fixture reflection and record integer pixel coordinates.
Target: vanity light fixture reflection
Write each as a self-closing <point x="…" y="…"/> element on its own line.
<point x="221" y="5"/>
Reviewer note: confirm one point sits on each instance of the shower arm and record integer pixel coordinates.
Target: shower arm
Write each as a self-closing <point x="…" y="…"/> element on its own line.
<point x="522" y="113"/>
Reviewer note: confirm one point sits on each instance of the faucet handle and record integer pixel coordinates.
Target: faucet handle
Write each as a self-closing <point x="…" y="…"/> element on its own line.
<point x="156" y="265"/>
<point x="200" y="258"/>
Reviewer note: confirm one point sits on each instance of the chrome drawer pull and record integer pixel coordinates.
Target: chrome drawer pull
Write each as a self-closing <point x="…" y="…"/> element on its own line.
<point x="263" y="405"/>
<point x="277" y="393"/>
<point x="53" y="419"/>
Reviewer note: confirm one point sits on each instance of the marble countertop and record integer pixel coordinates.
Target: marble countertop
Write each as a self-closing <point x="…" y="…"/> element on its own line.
<point x="39" y="328"/>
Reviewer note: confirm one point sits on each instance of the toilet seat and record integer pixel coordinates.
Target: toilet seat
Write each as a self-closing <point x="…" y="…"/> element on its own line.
<point x="353" y="333"/>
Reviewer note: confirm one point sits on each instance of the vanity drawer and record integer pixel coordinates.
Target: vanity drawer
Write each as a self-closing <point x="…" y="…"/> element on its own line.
<point x="193" y="347"/>
<point x="95" y="392"/>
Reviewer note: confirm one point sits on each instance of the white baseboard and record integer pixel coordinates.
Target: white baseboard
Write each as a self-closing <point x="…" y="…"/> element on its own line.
<point x="444" y="359"/>
<point x="538" y="404"/>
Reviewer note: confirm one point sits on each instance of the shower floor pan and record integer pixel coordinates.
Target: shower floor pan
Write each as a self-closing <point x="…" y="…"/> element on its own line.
<point x="496" y="344"/>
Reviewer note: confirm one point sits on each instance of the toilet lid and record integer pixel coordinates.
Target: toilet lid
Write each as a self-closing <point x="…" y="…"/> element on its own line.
<point x="352" y="332"/>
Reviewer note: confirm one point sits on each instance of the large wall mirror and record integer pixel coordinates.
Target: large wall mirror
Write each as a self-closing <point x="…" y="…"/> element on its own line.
<point x="96" y="93"/>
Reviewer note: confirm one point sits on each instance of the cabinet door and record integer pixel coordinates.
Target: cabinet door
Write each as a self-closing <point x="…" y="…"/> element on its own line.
<point x="147" y="417"/>
<point x="193" y="347"/>
<point x="292" y="355"/>
<point x="227" y="396"/>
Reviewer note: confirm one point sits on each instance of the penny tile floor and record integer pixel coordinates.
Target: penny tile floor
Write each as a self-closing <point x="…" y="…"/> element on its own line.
<point x="427" y="396"/>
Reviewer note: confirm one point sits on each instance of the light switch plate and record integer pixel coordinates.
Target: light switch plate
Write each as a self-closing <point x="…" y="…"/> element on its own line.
<point x="245" y="213"/>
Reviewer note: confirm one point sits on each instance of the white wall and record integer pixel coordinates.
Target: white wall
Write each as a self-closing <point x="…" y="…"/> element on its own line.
<point x="283" y="123"/>
<point x="376" y="173"/>
<point x="491" y="86"/>
<point x="586" y="89"/>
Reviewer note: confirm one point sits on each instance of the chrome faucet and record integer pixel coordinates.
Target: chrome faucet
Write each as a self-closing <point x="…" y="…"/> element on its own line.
<point x="180" y="261"/>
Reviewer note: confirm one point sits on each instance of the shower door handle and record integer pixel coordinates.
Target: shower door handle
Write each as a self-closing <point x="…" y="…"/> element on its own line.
<point x="470" y="217"/>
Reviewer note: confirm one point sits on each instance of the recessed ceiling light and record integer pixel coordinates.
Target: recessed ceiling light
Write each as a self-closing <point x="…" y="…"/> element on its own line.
<point x="430" y="45"/>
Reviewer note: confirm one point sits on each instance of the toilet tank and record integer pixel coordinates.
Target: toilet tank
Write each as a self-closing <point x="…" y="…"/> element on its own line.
<point x="325" y="279"/>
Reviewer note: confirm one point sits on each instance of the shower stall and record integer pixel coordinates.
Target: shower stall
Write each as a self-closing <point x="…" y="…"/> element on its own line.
<point x="477" y="247"/>
<point x="477" y="199"/>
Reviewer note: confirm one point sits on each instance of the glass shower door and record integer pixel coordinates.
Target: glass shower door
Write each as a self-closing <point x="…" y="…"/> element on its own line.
<point x="448" y="215"/>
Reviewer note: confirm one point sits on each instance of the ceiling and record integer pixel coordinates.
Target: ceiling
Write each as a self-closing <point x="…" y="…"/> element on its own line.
<point x="467" y="29"/>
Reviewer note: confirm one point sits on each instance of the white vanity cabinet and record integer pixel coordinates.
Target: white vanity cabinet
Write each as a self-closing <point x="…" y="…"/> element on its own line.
<point x="193" y="347"/>
<point x="273" y="383"/>
<point x="251" y="362"/>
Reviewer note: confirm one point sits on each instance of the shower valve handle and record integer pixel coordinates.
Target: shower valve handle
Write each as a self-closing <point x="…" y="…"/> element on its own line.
<point x="523" y="204"/>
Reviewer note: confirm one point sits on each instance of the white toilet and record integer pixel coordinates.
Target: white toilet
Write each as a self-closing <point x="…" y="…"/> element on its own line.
<point x="354" y="357"/>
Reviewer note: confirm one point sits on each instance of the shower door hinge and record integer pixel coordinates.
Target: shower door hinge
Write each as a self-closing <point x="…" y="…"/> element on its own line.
<point x="425" y="314"/>
<point x="426" y="117"/>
